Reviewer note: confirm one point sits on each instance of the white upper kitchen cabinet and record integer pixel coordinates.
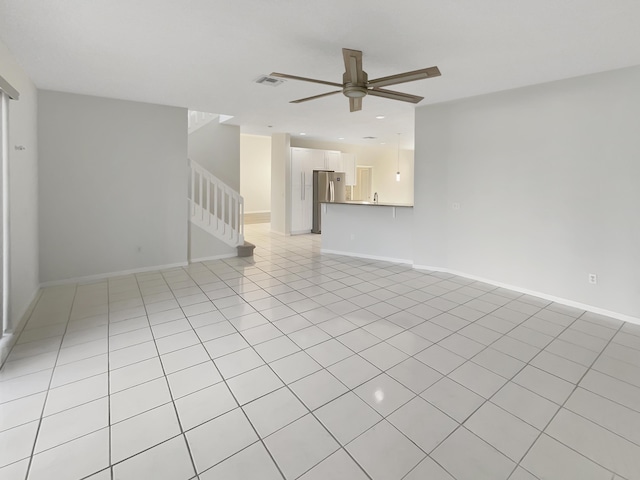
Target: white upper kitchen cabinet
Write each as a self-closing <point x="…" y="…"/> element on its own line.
<point x="319" y="161"/>
<point x="333" y="161"/>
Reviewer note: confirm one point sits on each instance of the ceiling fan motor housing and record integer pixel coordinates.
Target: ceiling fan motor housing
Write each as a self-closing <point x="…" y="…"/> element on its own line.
<point x="355" y="90"/>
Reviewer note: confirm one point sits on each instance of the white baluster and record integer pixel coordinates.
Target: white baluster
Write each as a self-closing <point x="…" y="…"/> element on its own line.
<point x="215" y="203"/>
<point x="224" y="219"/>
<point x="208" y="201"/>
<point x="241" y="220"/>
<point x="200" y="185"/>
<point x="191" y="197"/>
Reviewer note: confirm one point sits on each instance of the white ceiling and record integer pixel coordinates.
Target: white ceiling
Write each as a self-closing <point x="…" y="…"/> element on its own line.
<point x="205" y="54"/>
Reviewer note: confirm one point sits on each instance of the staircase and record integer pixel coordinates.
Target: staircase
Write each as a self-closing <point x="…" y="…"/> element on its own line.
<point x="217" y="208"/>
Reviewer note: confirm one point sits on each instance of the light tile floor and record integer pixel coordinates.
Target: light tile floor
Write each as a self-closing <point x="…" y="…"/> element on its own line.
<point x="295" y="364"/>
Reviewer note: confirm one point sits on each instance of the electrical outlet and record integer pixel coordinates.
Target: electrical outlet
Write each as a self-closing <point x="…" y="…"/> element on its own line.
<point x="593" y="278"/>
<point x="455" y="206"/>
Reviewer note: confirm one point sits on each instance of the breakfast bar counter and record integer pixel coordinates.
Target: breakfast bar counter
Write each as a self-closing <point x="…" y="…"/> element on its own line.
<point x="374" y="204"/>
<point x="381" y="231"/>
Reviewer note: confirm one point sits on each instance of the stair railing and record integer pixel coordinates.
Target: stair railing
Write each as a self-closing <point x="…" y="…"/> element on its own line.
<point x="215" y="206"/>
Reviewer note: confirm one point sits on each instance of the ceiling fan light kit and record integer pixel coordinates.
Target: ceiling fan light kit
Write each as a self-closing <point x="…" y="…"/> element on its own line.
<point x="356" y="84"/>
<point x="354" y="91"/>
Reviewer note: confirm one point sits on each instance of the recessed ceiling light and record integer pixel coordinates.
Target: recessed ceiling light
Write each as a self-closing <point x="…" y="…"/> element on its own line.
<point x="340" y="138"/>
<point x="302" y="133"/>
<point x="379" y="117"/>
<point x="383" y="143"/>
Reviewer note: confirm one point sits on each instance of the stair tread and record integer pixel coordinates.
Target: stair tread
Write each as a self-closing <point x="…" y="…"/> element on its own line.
<point x="246" y="250"/>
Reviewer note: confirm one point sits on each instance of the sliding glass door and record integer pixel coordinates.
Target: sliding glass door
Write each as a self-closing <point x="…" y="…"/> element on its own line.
<point x="4" y="145"/>
<point x="7" y="93"/>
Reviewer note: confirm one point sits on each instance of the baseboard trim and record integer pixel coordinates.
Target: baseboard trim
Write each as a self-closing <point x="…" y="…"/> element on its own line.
<point x="214" y="257"/>
<point x="9" y="339"/>
<point x="368" y="257"/>
<point x="564" y="301"/>
<point x="102" y="276"/>
<point x="257" y="211"/>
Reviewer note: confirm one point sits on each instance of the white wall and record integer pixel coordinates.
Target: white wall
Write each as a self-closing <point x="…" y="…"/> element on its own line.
<point x="23" y="177"/>
<point x="204" y="246"/>
<point x="255" y="173"/>
<point x="216" y="147"/>
<point x="383" y="159"/>
<point x="547" y="178"/>
<point x="113" y="185"/>
<point x="280" y="185"/>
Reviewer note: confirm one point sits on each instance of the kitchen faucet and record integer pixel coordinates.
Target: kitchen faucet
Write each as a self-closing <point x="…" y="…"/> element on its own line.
<point x="375" y="197"/>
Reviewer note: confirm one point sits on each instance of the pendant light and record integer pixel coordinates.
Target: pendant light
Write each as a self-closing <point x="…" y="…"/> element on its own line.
<point x="398" y="170"/>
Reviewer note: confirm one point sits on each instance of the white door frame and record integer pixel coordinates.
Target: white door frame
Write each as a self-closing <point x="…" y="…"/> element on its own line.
<point x="359" y="169"/>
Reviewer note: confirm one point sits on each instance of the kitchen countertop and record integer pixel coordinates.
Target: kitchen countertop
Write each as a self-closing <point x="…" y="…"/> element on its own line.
<point x="379" y="204"/>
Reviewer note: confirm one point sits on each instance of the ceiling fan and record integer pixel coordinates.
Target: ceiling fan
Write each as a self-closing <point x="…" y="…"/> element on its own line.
<point x="356" y="85"/>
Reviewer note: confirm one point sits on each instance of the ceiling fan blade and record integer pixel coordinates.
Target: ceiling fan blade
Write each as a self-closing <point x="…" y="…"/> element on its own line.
<point x="403" y="97"/>
<point x="304" y="79"/>
<point x="315" y="96"/>
<point x="353" y="66"/>
<point x="405" y="77"/>
<point x="355" y="104"/>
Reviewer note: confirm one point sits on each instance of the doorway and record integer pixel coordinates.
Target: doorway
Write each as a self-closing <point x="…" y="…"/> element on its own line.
<point x="364" y="181"/>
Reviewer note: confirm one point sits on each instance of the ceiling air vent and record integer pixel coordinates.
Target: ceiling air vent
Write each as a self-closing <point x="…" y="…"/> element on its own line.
<point x="369" y="138"/>
<point x="267" y="80"/>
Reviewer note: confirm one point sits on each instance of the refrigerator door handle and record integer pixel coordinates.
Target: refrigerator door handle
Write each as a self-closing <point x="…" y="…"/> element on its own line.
<point x="331" y="192"/>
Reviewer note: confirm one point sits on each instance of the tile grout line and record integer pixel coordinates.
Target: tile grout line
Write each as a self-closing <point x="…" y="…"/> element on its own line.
<point x="223" y="379"/>
<point x="109" y="379"/>
<point x="385" y="372"/>
<point x="309" y="412"/>
<point x="575" y="387"/>
<point x="485" y="400"/>
<point x="44" y="405"/>
<point x="404" y="329"/>
<point x="349" y="390"/>
<point x="166" y="379"/>
<point x="386" y="340"/>
<point x="333" y="337"/>
<point x="488" y="399"/>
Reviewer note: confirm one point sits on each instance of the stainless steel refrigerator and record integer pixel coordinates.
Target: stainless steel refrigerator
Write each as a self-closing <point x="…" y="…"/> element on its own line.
<point x="328" y="187"/>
